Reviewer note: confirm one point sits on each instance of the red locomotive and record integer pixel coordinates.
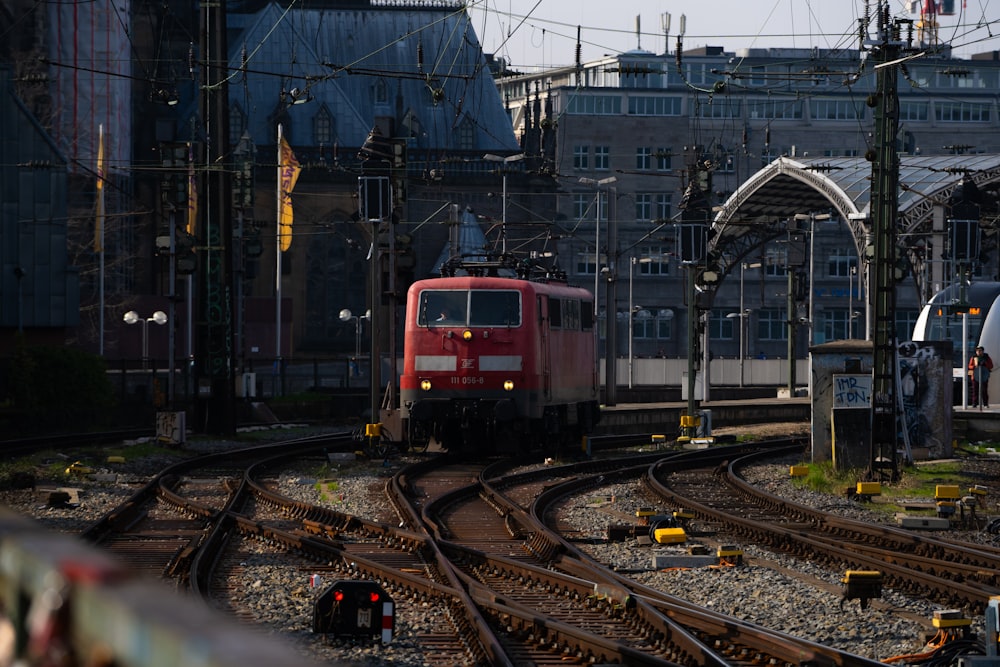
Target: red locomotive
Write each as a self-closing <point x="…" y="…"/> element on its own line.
<point x="498" y="364"/>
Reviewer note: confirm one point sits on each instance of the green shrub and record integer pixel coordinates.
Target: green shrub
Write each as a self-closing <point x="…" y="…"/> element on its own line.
<point x="54" y="389"/>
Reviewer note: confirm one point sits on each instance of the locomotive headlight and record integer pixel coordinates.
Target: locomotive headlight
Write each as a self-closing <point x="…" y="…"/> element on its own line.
<point x="466" y="335"/>
<point x="425" y="385"/>
<point x="508" y="385"/>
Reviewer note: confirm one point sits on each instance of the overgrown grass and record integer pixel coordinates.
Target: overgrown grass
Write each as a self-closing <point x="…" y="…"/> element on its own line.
<point x="916" y="482"/>
<point x="824" y="478"/>
<point x="327" y="486"/>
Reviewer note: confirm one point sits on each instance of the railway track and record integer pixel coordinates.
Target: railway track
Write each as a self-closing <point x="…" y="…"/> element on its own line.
<point x="954" y="574"/>
<point x="732" y="641"/>
<point x="231" y="513"/>
<point x="473" y="541"/>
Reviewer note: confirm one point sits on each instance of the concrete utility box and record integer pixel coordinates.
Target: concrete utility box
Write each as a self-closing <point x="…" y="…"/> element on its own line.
<point x="843" y="357"/>
<point x="841" y="400"/>
<point x="927" y="389"/>
<point x="850" y="421"/>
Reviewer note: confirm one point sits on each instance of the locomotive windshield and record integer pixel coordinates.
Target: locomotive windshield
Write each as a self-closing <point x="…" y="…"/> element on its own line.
<point x="472" y="308"/>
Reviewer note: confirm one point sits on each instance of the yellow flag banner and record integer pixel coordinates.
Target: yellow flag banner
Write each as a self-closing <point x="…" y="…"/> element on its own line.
<point x="192" y="217"/>
<point x="288" y="175"/>
<point x="99" y="221"/>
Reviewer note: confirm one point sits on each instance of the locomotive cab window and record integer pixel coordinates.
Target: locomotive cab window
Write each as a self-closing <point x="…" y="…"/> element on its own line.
<point x="565" y="314"/>
<point x="555" y="313"/>
<point x="495" y="308"/>
<point x="571" y="314"/>
<point x="475" y="308"/>
<point x="443" y="308"/>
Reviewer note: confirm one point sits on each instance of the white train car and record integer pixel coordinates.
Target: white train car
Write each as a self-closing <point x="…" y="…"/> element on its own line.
<point x="966" y="319"/>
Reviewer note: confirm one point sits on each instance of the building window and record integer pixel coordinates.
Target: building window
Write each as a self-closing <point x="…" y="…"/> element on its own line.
<point x="653" y="261"/>
<point x="957" y="112"/>
<point x="695" y="73"/>
<point x="906" y="319"/>
<point x="835" y="324"/>
<point x="836" y="110"/>
<point x="771" y="325"/>
<point x="465" y="134"/>
<point x="595" y="105"/>
<point x="644" y="207"/>
<point x="602" y="158"/>
<point x="721" y="327"/>
<point x="661" y="211"/>
<point x="581" y="156"/>
<point x="585" y="206"/>
<point x="842" y="263"/>
<point x="586" y="263"/>
<point x="913" y="111"/>
<point x="774" y="261"/>
<point x="664" y="324"/>
<point x="663" y="155"/>
<point x="323" y="127"/>
<point x="634" y="75"/>
<point x="720" y="108"/>
<point x="381" y="92"/>
<point x="645" y="105"/>
<point x="644" y="158"/>
<point x="774" y="109"/>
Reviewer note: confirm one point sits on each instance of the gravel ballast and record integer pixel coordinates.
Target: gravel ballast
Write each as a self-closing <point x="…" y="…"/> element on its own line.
<point x="769" y="589"/>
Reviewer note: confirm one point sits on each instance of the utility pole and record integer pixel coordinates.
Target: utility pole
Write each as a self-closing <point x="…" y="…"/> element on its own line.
<point x="695" y="212"/>
<point x="795" y="260"/>
<point x="887" y="54"/>
<point x="214" y="345"/>
<point x="611" y="301"/>
<point x="383" y="161"/>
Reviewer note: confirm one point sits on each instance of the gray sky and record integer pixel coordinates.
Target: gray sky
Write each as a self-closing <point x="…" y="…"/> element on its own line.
<point x="543" y="32"/>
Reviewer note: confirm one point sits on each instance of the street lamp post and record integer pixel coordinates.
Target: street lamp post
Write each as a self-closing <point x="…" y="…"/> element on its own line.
<point x="610" y="352"/>
<point x="812" y="218"/>
<point x="132" y="317"/>
<point x="631" y="321"/>
<point x="744" y="312"/>
<point x="850" y="300"/>
<point x="346" y="316"/>
<point x="633" y="310"/>
<point x="490" y="157"/>
<point x="741" y="316"/>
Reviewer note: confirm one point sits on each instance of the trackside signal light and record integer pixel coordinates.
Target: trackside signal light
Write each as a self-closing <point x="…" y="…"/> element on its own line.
<point x="508" y="385"/>
<point x="355" y="608"/>
<point x="425" y="385"/>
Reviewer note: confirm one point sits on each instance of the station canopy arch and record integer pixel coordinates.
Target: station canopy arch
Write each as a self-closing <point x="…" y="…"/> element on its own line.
<point x="760" y="209"/>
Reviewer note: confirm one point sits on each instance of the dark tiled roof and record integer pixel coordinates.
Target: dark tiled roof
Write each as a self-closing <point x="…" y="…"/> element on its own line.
<point x="424" y="68"/>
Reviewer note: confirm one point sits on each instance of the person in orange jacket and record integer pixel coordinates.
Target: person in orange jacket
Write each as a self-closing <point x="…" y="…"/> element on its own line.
<point x="980" y="366"/>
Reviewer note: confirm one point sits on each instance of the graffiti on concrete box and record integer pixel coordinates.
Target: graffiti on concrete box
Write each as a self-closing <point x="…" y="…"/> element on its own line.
<point x="852" y="391"/>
